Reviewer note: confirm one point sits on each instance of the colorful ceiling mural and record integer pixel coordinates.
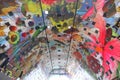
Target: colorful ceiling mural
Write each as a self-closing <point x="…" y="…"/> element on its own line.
<point x="59" y="36"/>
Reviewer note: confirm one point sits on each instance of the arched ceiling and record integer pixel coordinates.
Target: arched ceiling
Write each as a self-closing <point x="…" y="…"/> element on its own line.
<point x="60" y="36"/>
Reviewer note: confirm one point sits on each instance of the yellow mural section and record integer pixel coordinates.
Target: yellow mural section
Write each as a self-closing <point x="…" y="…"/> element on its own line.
<point x="2" y="33"/>
<point x="34" y="7"/>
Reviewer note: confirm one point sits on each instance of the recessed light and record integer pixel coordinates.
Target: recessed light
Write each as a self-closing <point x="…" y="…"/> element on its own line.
<point x="46" y="12"/>
<point x="69" y="27"/>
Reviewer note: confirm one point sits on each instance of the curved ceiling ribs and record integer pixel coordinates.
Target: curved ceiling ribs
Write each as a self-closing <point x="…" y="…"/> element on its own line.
<point x="69" y="49"/>
<point x="46" y="34"/>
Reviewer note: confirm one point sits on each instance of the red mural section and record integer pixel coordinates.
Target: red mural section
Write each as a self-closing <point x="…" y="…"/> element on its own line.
<point x="77" y="55"/>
